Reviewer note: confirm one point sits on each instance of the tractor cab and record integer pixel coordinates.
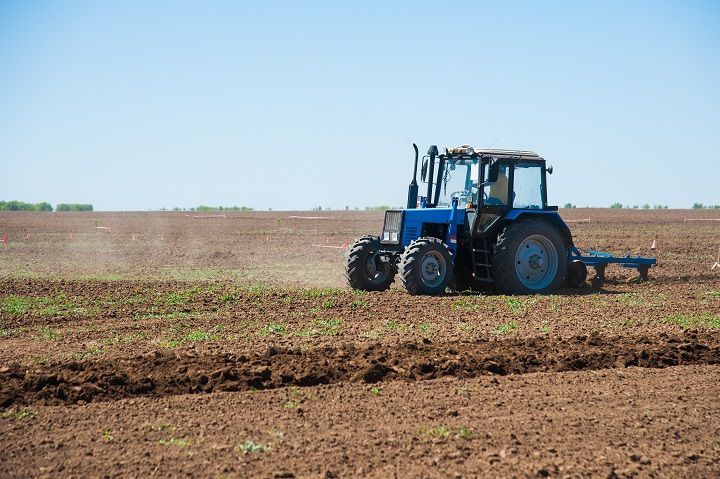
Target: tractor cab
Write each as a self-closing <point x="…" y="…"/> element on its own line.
<point x="506" y="178"/>
<point x="485" y="183"/>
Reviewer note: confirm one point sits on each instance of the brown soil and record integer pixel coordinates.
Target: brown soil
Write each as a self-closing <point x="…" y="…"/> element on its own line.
<point x="165" y="373"/>
<point x="228" y="347"/>
<point x="290" y="248"/>
<point x="632" y="422"/>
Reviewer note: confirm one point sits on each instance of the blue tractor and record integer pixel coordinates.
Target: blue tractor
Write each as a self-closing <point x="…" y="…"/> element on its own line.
<point x="484" y="222"/>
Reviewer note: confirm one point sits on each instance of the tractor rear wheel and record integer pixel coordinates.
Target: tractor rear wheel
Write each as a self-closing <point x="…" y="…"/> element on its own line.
<point x="426" y="266"/>
<point x="364" y="269"/>
<point x="576" y="273"/>
<point x="529" y="257"/>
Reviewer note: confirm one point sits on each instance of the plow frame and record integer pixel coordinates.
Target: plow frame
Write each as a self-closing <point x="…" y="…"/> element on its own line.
<point x="599" y="261"/>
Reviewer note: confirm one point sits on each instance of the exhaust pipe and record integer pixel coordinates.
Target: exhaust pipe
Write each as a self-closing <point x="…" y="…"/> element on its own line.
<point x="433" y="153"/>
<point x="413" y="188"/>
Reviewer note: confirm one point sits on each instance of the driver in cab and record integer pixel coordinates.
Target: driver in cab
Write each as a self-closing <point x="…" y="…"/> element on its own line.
<point x="498" y="193"/>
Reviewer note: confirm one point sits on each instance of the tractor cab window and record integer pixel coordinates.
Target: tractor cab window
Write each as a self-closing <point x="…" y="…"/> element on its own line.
<point x="495" y="193"/>
<point x="460" y="179"/>
<point x="527" y="186"/>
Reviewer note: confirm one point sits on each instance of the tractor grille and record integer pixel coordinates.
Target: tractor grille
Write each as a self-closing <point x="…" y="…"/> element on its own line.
<point x="391" y="228"/>
<point x="393" y="221"/>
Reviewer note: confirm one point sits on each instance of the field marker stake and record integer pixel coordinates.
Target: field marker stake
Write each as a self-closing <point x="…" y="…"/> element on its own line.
<point x="5" y="240"/>
<point x="717" y="263"/>
<point x="653" y="246"/>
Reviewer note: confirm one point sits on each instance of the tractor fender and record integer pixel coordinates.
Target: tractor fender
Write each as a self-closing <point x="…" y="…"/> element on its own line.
<point x="553" y="217"/>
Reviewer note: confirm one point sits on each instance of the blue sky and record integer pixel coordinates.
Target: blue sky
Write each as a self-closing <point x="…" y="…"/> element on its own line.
<point x="141" y="105"/>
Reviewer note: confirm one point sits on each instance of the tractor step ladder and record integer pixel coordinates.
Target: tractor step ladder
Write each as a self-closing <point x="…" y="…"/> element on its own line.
<point x="482" y="266"/>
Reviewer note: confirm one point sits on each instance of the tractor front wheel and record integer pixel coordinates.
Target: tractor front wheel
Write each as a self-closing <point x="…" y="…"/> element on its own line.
<point x="426" y="267"/>
<point x="529" y="258"/>
<point x="364" y="268"/>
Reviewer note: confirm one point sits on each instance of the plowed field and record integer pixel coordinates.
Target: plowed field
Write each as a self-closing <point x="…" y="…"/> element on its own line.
<point x="181" y="344"/>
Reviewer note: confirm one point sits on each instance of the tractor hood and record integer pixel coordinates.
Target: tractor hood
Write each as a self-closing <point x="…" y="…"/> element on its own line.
<point x="415" y="219"/>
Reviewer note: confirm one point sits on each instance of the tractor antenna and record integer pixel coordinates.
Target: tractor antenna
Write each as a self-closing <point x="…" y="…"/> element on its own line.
<point x="491" y="144"/>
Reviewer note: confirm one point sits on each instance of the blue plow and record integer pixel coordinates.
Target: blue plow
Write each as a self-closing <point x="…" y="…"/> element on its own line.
<point x="599" y="260"/>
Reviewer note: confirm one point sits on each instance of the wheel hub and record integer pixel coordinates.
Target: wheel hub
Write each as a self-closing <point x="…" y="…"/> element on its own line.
<point x="432" y="269"/>
<point x="374" y="272"/>
<point x="536" y="262"/>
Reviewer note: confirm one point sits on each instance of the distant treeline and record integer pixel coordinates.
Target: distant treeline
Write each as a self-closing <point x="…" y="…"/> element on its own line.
<point x="221" y="208"/>
<point x="73" y="207"/>
<point x="44" y="206"/>
<point x="646" y="206"/>
<point x="210" y="208"/>
<point x="367" y="208"/>
<point x="22" y="206"/>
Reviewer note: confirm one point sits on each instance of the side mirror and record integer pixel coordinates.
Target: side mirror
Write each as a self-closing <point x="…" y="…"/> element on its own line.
<point x="423" y="170"/>
<point x="549" y="169"/>
<point x="494" y="172"/>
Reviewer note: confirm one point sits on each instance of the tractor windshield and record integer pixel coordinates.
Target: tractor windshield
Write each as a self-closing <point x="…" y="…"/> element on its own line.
<point x="527" y="184"/>
<point x="460" y="179"/>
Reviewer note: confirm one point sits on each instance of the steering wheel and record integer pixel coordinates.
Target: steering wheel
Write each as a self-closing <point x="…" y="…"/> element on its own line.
<point x="460" y="193"/>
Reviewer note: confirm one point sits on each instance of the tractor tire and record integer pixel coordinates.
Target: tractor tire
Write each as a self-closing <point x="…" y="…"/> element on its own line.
<point x="529" y="258"/>
<point x="426" y="267"/>
<point x="576" y="273"/>
<point x="363" y="268"/>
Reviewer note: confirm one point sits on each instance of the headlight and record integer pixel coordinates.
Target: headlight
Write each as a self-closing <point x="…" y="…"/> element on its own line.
<point x="470" y="151"/>
<point x="390" y="236"/>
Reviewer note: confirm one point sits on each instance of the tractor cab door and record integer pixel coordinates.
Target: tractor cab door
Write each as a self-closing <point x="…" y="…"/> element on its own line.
<point x="494" y="198"/>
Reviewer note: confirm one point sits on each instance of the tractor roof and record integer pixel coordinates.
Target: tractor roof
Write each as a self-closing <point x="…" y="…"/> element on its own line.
<point x="496" y="153"/>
